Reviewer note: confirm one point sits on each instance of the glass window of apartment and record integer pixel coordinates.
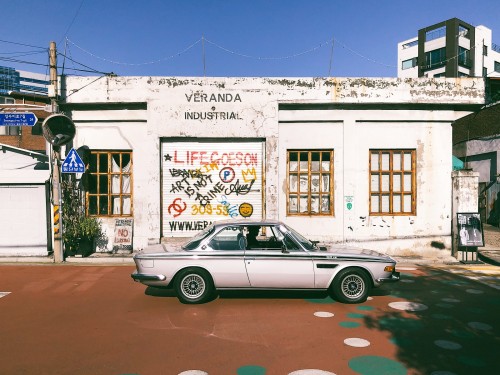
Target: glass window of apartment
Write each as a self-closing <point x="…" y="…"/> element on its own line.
<point x="464" y="57"/>
<point x="410" y="63"/>
<point x="310" y="182"/>
<point x="392" y="182"/>
<point x="497" y="66"/>
<point x="463" y="31"/>
<point x="435" y="58"/>
<point x="440" y="32"/>
<point x="110" y="183"/>
<point x="9" y="130"/>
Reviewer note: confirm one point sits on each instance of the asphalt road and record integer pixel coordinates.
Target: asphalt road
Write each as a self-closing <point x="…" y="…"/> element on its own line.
<point x="70" y="319"/>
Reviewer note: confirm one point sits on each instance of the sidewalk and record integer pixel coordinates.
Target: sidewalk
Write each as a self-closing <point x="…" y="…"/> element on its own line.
<point x="488" y="254"/>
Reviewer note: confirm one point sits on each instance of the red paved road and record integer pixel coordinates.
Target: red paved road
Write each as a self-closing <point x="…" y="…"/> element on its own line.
<point x="65" y="319"/>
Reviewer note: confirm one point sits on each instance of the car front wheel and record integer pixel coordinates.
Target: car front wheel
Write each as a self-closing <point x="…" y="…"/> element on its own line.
<point x="194" y="286"/>
<point x="351" y="286"/>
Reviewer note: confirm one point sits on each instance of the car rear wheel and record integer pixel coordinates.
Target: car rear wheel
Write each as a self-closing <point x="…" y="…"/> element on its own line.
<point x="194" y="286"/>
<point x="351" y="286"/>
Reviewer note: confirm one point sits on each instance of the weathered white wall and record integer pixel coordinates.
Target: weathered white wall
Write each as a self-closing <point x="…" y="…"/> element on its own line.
<point x="350" y="132"/>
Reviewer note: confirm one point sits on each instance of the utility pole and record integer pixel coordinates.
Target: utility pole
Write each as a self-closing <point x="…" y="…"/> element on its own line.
<point x="58" y="130"/>
<point x="55" y="160"/>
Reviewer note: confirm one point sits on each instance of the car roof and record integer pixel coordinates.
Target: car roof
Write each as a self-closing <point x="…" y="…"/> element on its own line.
<point x="241" y="222"/>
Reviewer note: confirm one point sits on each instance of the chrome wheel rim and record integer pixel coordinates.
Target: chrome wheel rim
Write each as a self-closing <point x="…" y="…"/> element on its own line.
<point x="353" y="286"/>
<point x="193" y="286"/>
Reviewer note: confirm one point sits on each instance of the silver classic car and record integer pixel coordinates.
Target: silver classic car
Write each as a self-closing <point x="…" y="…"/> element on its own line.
<point x="262" y="255"/>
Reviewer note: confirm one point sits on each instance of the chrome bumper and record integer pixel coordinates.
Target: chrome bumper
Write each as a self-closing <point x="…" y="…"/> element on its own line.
<point x="394" y="277"/>
<point x="147" y="277"/>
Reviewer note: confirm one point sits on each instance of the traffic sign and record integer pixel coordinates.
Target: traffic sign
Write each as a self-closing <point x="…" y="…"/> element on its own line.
<point x="18" y="119"/>
<point x="73" y="163"/>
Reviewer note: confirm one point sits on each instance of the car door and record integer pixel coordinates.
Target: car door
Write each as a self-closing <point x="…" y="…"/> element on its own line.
<point x="223" y="257"/>
<point x="279" y="263"/>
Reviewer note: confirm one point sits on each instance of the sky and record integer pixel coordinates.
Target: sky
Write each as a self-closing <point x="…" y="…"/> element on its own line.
<point x="224" y="38"/>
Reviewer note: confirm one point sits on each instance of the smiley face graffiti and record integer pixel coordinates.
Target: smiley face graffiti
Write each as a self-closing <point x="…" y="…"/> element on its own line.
<point x="246" y="209"/>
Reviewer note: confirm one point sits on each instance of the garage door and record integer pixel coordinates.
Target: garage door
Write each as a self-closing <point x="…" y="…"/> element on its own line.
<point x="207" y="181"/>
<point x="23" y="220"/>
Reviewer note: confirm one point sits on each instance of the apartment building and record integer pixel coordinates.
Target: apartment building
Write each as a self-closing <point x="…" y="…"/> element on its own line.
<point x="451" y="48"/>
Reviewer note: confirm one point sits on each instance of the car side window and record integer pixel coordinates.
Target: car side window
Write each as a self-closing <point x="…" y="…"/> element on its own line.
<point x="263" y="237"/>
<point x="229" y="238"/>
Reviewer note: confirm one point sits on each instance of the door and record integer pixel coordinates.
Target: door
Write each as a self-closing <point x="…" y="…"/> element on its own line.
<point x="272" y="262"/>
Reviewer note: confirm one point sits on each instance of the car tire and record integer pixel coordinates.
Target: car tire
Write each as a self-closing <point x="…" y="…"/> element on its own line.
<point x="351" y="286"/>
<point x="194" y="286"/>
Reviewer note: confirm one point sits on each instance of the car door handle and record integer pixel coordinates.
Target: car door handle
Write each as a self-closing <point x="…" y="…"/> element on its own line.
<point x="250" y="258"/>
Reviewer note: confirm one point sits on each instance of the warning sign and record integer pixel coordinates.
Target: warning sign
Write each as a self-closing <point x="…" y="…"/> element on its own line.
<point x="123" y="233"/>
<point x="73" y="163"/>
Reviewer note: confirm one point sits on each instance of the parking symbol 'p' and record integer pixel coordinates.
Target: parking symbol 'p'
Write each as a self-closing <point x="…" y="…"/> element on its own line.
<point x="227" y="174"/>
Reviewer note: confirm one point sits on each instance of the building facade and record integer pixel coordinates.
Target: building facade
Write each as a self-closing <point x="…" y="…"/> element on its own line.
<point x="451" y="48"/>
<point x="352" y="160"/>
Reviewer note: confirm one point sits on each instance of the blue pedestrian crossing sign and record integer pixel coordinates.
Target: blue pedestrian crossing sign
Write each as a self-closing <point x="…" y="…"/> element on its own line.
<point x="73" y="163"/>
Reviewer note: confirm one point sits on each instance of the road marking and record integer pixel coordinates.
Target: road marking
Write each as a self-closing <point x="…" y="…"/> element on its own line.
<point x="3" y="294"/>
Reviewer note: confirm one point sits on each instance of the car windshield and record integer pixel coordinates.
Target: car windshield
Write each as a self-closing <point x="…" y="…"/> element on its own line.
<point x="308" y="245"/>
<point x="194" y="242"/>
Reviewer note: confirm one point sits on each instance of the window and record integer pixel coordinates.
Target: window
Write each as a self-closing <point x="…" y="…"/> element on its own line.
<point x="435" y="58"/>
<point x="485" y="50"/>
<point x="110" y="183"/>
<point x="410" y="63"/>
<point x="9" y="130"/>
<point x="229" y="238"/>
<point x="392" y="182"/>
<point x="440" y="32"/>
<point x="463" y="31"/>
<point x="497" y="66"/>
<point x="464" y="57"/>
<point x="310" y="182"/>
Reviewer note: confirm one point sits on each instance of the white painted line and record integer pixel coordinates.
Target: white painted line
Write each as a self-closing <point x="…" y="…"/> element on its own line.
<point x="3" y="294"/>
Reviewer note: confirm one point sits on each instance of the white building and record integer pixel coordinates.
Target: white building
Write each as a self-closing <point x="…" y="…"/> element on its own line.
<point x="451" y="48"/>
<point x="340" y="159"/>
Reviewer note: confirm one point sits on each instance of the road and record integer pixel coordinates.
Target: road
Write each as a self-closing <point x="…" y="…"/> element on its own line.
<point x="73" y="319"/>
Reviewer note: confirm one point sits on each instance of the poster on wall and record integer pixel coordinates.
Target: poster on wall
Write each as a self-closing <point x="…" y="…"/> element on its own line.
<point x="470" y="229"/>
<point x="203" y="182"/>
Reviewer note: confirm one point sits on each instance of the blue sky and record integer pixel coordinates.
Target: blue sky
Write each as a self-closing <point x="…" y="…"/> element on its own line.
<point x="234" y="38"/>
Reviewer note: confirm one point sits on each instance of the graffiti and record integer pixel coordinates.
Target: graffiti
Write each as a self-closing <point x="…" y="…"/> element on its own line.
<point x="188" y="225"/>
<point x="246" y="209"/>
<point x="209" y="209"/>
<point x="201" y="181"/>
<point x="190" y="173"/>
<point x="177" y="207"/>
<point x="227" y="174"/>
<point x="249" y="175"/>
<point x="231" y="209"/>
<point x="205" y="157"/>
<point x="239" y="189"/>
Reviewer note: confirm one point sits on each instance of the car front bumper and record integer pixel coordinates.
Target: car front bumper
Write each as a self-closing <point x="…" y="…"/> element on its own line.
<point x="395" y="276"/>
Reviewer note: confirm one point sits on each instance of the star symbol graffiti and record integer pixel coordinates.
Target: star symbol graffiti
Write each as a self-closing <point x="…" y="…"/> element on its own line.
<point x="168" y="157"/>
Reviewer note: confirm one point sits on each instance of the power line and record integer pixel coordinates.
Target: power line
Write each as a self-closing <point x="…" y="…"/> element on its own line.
<point x="136" y="64"/>
<point x="22" y="44"/>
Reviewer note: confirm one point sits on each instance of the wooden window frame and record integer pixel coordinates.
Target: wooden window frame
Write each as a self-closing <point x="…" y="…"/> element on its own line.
<point x="108" y="194"/>
<point x="297" y="194"/>
<point x="392" y="192"/>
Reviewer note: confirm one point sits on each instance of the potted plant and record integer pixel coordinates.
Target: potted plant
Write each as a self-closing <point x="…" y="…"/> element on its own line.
<point x="79" y="231"/>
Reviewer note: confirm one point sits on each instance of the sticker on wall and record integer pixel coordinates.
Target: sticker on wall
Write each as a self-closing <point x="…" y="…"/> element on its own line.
<point x="246" y="210"/>
<point x="203" y="182"/>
